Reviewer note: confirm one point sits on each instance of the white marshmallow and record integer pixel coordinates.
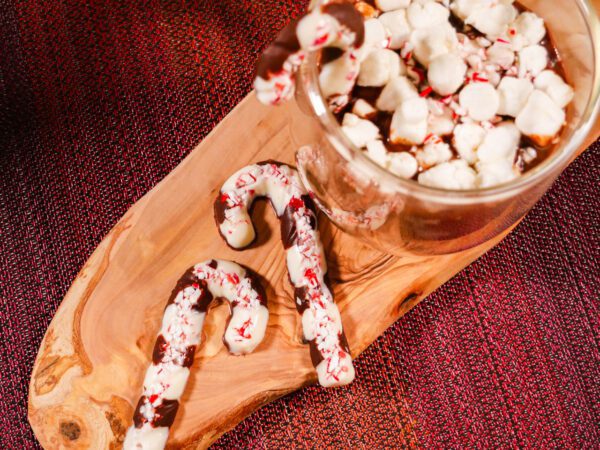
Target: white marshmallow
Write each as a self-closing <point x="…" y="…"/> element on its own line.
<point x="363" y="109"/>
<point x="359" y="131"/>
<point x="337" y="77"/>
<point x="378" y="153"/>
<point x="398" y="27"/>
<point x="409" y="122"/>
<point x="501" y="54"/>
<point x="403" y="164"/>
<point x="394" y="93"/>
<point x="480" y="100"/>
<point x="391" y="5"/>
<point x="433" y="153"/>
<point x="426" y="14"/>
<point x="379" y="67"/>
<point x="440" y="120"/>
<point x="513" y="93"/>
<point x="431" y="42"/>
<point x="446" y="73"/>
<point x="495" y="173"/>
<point x="467" y="138"/>
<point x="527" y="29"/>
<point x="500" y="143"/>
<point x="532" y="60"/>
<point x="464" y="8"/>
<point x="492" y="20"/>
<point x="376" y="36"/>
<point x="541" y="119"/>
<point x="449" y="175"/>
<point x="553" y="85"/>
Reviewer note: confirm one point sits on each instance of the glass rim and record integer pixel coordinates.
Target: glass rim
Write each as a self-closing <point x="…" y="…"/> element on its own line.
<point x="309" y="74"/>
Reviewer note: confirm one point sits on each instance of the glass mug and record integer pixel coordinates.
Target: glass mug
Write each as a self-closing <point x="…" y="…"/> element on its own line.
<point x="401" y="216"/>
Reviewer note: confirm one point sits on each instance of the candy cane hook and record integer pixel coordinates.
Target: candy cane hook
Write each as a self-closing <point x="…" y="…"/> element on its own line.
<point x="180" y="334"/>
<point x="321" y="321"/>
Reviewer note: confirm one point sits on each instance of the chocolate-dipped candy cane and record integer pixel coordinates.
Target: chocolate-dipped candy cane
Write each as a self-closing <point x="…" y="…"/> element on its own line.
<point x="180" y="334"/>
<point x="335" y="24"/>
<point x="321" y="321"/>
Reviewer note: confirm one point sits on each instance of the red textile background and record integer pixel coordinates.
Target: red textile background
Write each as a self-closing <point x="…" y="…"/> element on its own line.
<point x="100" y="100"/>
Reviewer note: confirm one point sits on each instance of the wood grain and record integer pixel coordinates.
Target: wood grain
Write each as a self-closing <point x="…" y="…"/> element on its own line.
<point x="88" y="373"/>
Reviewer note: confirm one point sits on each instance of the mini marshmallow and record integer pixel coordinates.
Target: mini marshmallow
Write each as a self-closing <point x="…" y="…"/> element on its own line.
<point x="501" y="54"/>
<point x="450" y="175"/>
<point x="403" y="164"/>
<point x="492" y="20"/>
<point x="391" y="5"/>
<point x="337" y="77"/>
<point x="446" y="73"/>
<point x="431" y="42"/>
<point x="541" y="119"/>
<point x="363" y="109"/>
<point x="379" y="67"/>
<point x="480" y="100"/>
<point x="500" y="143"/>
<point x="376" y="34"/>
<point x="359" y="131"/>
<point x="440" y="120"/>
<point x="433" y="153"/>
<point x="527" y="29"/>
<point x="397" y="25"/>
<point x="495" y="173"/>
<point x="513" y="93"/>
<point x="464" y="8"/>
<point x="394" y="93"/>
<point x="467" y="138"/>
<point x="378" y="153"/>
<point x="553" y="85"/>
<point x="426" y="14"/>
<point x="532" y="60"/>
<point x="409" y="122"/>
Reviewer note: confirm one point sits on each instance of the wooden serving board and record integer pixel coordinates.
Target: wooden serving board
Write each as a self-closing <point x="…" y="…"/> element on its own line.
<point x="88" y="373"/>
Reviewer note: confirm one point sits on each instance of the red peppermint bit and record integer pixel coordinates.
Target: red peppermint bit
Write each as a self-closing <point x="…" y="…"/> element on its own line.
<point x="153" y="398"/>
<point x="321" y="40"/>
<point x="425" y="92"/>
<point x="477" y="77"/>
<point x="512" y="31"/>
<point x="296" y="203"/>
<point x="233" y="278"/>
<point x="195" y="285"/>
<point x="503" y="41"/>
<point x="242" y="330"/>
<point x="224" y="198"/>
<point x="310" y="275"/>
<point x="429" y="136"/>
<point x="447" y="99"/>
<point x="408" y="56"/>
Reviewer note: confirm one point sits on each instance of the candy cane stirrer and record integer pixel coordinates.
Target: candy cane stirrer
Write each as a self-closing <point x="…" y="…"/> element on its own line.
<point x="321" y="321"/>
<point x="180" y="334"/>
<point x="330" y="25"/>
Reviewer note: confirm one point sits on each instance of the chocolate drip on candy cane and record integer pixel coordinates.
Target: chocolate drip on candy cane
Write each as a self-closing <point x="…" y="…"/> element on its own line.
<point x="336" y="24"/>
<point x="180" y="334"/>
<point x="321" y="321"/>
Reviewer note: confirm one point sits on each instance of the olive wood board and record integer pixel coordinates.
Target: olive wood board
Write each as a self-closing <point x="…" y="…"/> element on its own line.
<point x="88" y="372"/>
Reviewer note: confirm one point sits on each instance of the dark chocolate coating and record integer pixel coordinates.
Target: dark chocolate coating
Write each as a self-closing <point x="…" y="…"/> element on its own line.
<point x="164" y="414"/>
<point x="349" y="17"/>
<point x="272" y="59"/>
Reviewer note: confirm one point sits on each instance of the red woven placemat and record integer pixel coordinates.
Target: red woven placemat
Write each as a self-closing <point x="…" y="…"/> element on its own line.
<point x="100" y="100"/>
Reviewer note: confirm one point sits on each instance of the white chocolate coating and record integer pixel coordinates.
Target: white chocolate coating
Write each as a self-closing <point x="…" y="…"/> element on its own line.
<point x="180" y="333"/>
<point x="305" y="257"/>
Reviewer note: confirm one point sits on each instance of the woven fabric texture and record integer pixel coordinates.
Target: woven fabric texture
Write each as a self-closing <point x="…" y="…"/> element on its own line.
<point x="100" y="100"/>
